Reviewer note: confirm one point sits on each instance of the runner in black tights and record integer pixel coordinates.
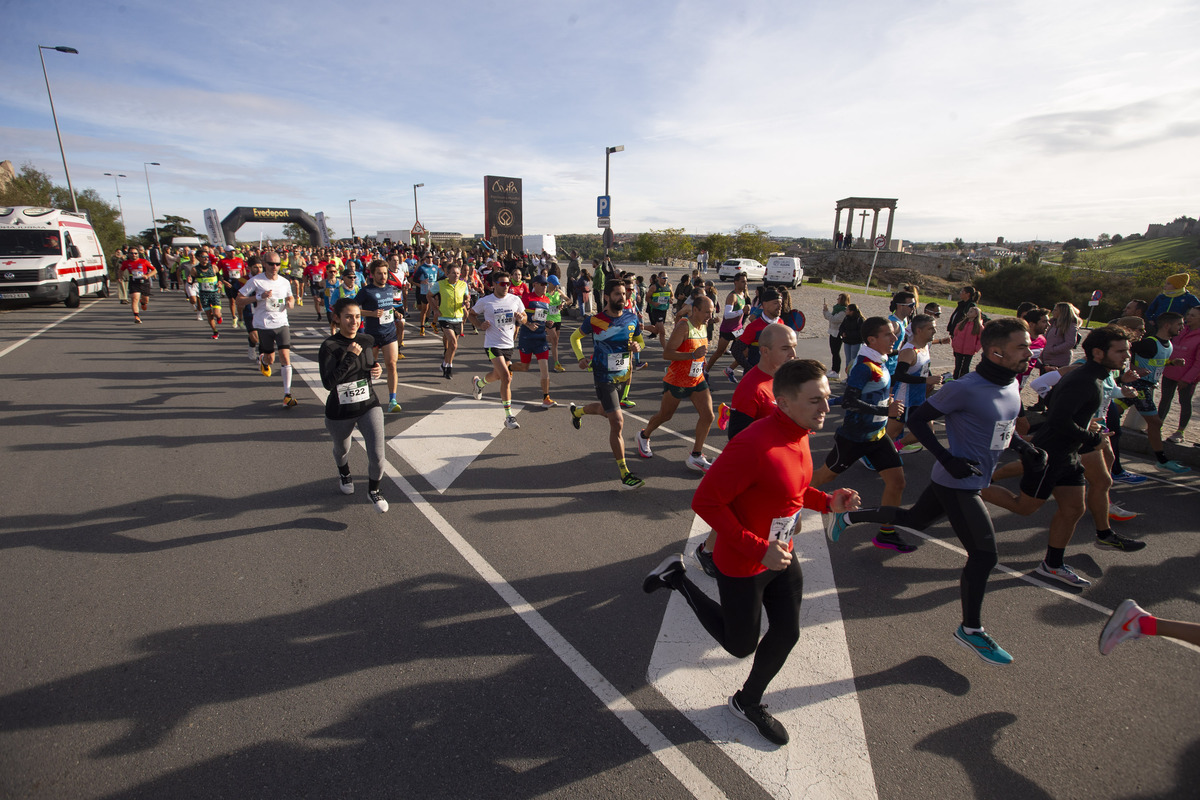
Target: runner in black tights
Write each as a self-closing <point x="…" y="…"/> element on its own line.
<point x="980" y="411"/>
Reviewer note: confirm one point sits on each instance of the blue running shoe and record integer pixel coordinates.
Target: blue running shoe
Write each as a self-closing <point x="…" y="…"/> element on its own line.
<point x="983" y="646"/>
<point x="834" y="523"/>
<point x="867" y="463"/>
<point x="1131" y="478"/>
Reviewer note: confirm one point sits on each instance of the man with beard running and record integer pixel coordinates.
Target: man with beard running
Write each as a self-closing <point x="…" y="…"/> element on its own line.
<point x="980" y="411"/>
<point x="272" y="295"/>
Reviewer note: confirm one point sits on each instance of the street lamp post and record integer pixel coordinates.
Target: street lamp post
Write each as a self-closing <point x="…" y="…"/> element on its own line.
<point x="124" y="231"/>
<point x="350" y="205"/>
<point x="608" y="151"/>
<point x="153" y="217"/>
<point x="57" y="132"/>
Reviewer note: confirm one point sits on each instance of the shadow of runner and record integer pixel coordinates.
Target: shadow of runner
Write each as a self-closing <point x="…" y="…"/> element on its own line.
<point x="971" y="744"/>
<point x="111" y="530"/>
<point x="474" y="703"/>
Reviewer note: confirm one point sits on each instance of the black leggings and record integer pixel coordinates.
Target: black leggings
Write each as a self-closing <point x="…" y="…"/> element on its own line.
<point x="1112" y="421"/>
<point x="835" y="353"/>
<point x="962" y="364"/>
<point x="1186" y="392"/>
<point x="971" y="523"/>
<point x="737" y="619"/>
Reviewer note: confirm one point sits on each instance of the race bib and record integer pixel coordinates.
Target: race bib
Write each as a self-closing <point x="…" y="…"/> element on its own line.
<point x="1002" y="434"/>
<point x="539" y="315"/>
<point x="784" y="528"/>
<point x="618" y="362"/>
<point x="504" y="320"/>
<point x="354" y="392"/>
<point x="696" y="369"/>
<point x="387" y="316"/>
<point x="276" y="303"/>
<point x="398" y="298"/>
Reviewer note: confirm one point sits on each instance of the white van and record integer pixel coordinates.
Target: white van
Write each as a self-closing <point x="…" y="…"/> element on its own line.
<point x="784" y="271"/>
<point x="49" y="255"/>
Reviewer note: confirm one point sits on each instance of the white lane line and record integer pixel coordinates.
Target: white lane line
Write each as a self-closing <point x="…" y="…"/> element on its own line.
<point x="1025" y="576"/>
<point x="814" y="695"/>
<point x="33" y="336"/>
<point x="443" y="443"/>
<point x="687" y="773"/>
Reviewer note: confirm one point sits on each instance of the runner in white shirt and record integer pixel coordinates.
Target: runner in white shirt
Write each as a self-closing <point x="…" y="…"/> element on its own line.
<point x="273" y="295"/>
<point x="498" y="314"/>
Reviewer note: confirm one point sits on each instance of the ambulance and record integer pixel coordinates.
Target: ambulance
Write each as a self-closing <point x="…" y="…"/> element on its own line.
<point x="49" y="255"/>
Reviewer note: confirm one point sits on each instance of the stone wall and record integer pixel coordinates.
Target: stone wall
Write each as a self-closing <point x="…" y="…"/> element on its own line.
<point x="855" y="264"/>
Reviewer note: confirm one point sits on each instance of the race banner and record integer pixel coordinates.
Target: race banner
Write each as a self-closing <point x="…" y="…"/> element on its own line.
<point x="216" y="237"/>
<point x="324" y="231"/>
<point x="503" y="225"/>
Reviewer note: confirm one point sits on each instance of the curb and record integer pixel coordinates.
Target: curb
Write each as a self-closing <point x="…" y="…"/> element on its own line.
<point x="1136" y="442"/>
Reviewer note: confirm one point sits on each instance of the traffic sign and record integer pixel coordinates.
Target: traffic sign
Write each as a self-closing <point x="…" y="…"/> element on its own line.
<point x="604" y="206"/>
<point x="603" y="222"/>
<point x="880" y="241"/>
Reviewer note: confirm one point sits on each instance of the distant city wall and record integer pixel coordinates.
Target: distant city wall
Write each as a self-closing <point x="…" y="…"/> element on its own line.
<point x="855" y="264"/>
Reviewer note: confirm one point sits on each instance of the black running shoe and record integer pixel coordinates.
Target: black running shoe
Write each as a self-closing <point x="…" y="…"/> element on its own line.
<point x="892" y="541"/>
<point x="1114" y="542"/>
<point x="660" y="577"/>
<point x="771" y="729"/>
<point x="706" y="561"/>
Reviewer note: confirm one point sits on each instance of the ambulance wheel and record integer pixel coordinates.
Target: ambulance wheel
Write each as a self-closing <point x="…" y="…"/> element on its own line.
<point x="72" y="300"/>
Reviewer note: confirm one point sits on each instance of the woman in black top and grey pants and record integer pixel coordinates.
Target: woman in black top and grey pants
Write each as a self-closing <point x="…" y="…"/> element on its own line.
<point x="348" y="366"/>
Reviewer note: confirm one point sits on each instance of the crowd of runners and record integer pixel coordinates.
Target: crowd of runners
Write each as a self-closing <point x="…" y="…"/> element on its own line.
<point x="1065" y="446"/>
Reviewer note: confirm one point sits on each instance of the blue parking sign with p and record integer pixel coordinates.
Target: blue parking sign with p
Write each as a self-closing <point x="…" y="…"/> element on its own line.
<point x="604" y="206"/>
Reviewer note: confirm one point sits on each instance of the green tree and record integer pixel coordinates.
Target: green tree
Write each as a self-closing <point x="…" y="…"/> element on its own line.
<point x="718" y="245"/>
<point x="646" y="248"/>
<point x="169" y="226"/>
<point x="959" y="243"/>
<point x="32" y="187"/>
<point x="294" y="233"/>
<point x="673" y="242"/>
<point x="1103" y="238"/>
<point x="750" y="241"/>
<point x="1117" y="238"/>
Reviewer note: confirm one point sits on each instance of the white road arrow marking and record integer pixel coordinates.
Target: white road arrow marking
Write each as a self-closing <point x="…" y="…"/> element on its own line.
<point x="813" y="696"/>
<point x="444" y="442"/>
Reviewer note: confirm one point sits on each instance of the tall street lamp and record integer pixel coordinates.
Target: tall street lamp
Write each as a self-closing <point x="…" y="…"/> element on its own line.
<point x="114" y="176"/>
<point x="57" y="132"/>
<point x="608" y="151"/>
<point x="153" y="217"/>
<point x="350" y="205"/>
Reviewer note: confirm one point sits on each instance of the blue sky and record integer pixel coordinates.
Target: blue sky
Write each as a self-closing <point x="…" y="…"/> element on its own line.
<point x="1015" y="119"/>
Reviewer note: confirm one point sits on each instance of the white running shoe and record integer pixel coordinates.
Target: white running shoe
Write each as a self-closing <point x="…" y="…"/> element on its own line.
<point x="831" y="374"/>
<point x="698" y="463"/>
<point x="346" y="484"/>
<point x="643" y="445"/>
<point x="511" y="423"/>
<point x="1119" y="514"/>
<point x="1122" y="626"/>
<point x="199" y="317"/>
<point x="1176" y="437"/>
<point x="477" y="387"/>
<point x="377" y="500"/>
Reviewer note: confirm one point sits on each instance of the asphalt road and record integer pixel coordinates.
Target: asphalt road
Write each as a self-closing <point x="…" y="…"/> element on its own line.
<point x="192" y="609"/>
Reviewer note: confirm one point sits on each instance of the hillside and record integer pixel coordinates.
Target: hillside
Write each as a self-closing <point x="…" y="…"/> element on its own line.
<point x="1179" y="249"/>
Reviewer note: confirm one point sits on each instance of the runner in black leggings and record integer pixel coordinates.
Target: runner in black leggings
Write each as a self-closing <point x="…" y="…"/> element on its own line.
<point x="980" y="411"/>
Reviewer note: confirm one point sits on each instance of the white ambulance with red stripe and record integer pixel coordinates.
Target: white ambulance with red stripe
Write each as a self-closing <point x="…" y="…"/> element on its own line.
<point x="49" y="255"/>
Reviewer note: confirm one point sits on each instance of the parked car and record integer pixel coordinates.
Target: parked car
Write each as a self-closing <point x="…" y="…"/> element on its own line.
<point x="731" y="267"/>
<point x="784" y="271"/>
